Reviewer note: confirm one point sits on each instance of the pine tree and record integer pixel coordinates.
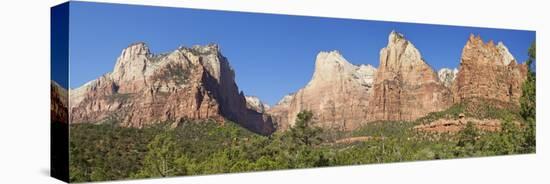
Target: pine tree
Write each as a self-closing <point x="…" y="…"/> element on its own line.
<point x="162" y="156"/>
<point x="468" y="135"/>
<point x="528" y="102"/>
<point x="304" y="132"/>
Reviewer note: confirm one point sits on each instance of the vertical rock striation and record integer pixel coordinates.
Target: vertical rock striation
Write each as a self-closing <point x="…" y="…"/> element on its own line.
<point x="405" y="87"/>
<point x="488" y="72"/>
<point x="186" y="84"/>
<point x="337" y="94"/>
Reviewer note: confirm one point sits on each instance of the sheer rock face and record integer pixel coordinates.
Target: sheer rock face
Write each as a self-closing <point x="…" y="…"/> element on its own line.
<point x="337" y="94"/>
<point x="490" y="72"/>
<point x="58" y="103"/>
<point x="188" y="83"/>
<point x="254" y="103"/>
<point x="405" y="87"/>
<point x="447" y="76"/>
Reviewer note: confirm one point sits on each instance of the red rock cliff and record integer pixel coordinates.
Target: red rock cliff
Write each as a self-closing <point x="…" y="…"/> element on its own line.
<point x="489" y="72"/>
<point x="405" y="87"/>
<point x="189" y="83"/>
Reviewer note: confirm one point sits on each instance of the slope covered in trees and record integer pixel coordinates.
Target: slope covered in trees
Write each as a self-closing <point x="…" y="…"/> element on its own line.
<point x="108" y="152"/>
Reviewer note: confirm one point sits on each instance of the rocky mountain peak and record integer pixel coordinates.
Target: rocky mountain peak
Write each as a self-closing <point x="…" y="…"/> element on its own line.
<point x="490" y="72"/>
<point x="507" y="57"/>
<point x="395" y="38"/>
<point x="209" y="48"/>
<point x="254" y="103"/>
<point x="144" y="88"/>
<point x="474" y="40"/>
<point x="399" y="54"/>
<point x="132" y="62"/>
<point x="134" y="50"/>
<point x="405" y="87"/>
<point x="330" y="66"/>
<point x="337" y="94"/>
<point x="331" y="60"/>
<point x="447" y="76"/>
<point x="489" y="50"/>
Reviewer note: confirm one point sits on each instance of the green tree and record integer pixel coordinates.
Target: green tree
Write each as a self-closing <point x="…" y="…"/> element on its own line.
<point x="510" y="137"/>
<point x="469" y="135"/>
<point x="528" y="98"/>
<point x="163" y="158"/>
<point x="528" y="102"/>
<point x="304" y="132"/>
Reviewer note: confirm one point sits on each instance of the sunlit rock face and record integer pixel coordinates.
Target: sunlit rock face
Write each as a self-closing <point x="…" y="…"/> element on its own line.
<point x="186" y="84"/>
<point x="254" y="103"/>
<point x="58" y="103"/>
<point x="447" y="76"/>
<point x="405" y="86"/>
<point x="489" y="72"/>
<point x="337" y="94"/>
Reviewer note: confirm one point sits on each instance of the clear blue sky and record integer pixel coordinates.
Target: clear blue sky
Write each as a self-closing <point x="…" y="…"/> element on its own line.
<point x="272" y="55"/>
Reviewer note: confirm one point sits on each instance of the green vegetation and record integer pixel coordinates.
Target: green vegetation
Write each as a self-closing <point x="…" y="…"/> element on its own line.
<point x="108" y="152"/>
<point x="528" y="101"/>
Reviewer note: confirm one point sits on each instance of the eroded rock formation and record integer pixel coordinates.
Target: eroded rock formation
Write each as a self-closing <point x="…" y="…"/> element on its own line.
<point x="405" y="87"/>
<point x="254" y="103"/>
<point x="198" y="83"/>
<point x="337" y="94"/>
<point x="447" y="76"/>
<point x="489" y="72"/>
<point x="189" y="83"/>
<point x="58" y="103"/>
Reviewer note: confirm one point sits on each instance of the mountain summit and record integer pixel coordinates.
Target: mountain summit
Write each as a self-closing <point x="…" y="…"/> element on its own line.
<point x="337" y="94"/>
<point x="198" y="83"/>
<point x="405" y="87"/>
<point x="488" y="71"/>
<point x="185" y="84"/>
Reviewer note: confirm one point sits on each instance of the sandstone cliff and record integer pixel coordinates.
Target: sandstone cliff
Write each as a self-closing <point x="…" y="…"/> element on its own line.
<point x="58" y="103"/>
<point x="337" y="94"/>
<point x="198" y="83"/>
<point x="488" y="72"/>
<point x="447" y="76"/>
<point x="144" y="88"/>
<point x="405" y="87"/>
<point x="254" y="103"/>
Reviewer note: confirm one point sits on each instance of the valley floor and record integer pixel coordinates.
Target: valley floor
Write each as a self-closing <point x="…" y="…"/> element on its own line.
<point x="108" y="152"/>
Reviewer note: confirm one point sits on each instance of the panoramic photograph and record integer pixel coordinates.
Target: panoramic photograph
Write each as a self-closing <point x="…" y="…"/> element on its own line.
<point x="153" y="92"/>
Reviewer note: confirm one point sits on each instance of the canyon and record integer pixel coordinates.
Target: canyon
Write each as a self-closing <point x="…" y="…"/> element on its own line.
<point x="198" y="83"/>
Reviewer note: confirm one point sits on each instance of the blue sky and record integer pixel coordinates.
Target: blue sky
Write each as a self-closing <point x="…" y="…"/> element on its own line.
<point x="272" y="55"/>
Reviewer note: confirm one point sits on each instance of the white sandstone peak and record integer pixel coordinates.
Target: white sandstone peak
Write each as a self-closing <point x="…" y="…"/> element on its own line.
<point x="401" y="52"/>
<point x="254" y="103"/>
<point x="394" y="37"/>
<point x="135" y="49"/>
<point x="507" y="57"/>
<point x="206" y="49"/>
<point x="447" y="76"/>
<point x="286" y="100"/>
<point x="327" y="63"/>
<point x="365" y="74"/>
<point x="131" y="63"/>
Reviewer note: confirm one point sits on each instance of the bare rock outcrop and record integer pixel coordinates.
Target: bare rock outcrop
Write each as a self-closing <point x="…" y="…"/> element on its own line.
<point x="456" y="125"/>
<point x="488" y="72"/>
<point x="189" y="83"/>
<point x="337" y="94"/>
<point x="447" y="76"/>
<point x="405" y="87"/>
<point x="59" y="98"/>
<point x="254" y="103"/>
